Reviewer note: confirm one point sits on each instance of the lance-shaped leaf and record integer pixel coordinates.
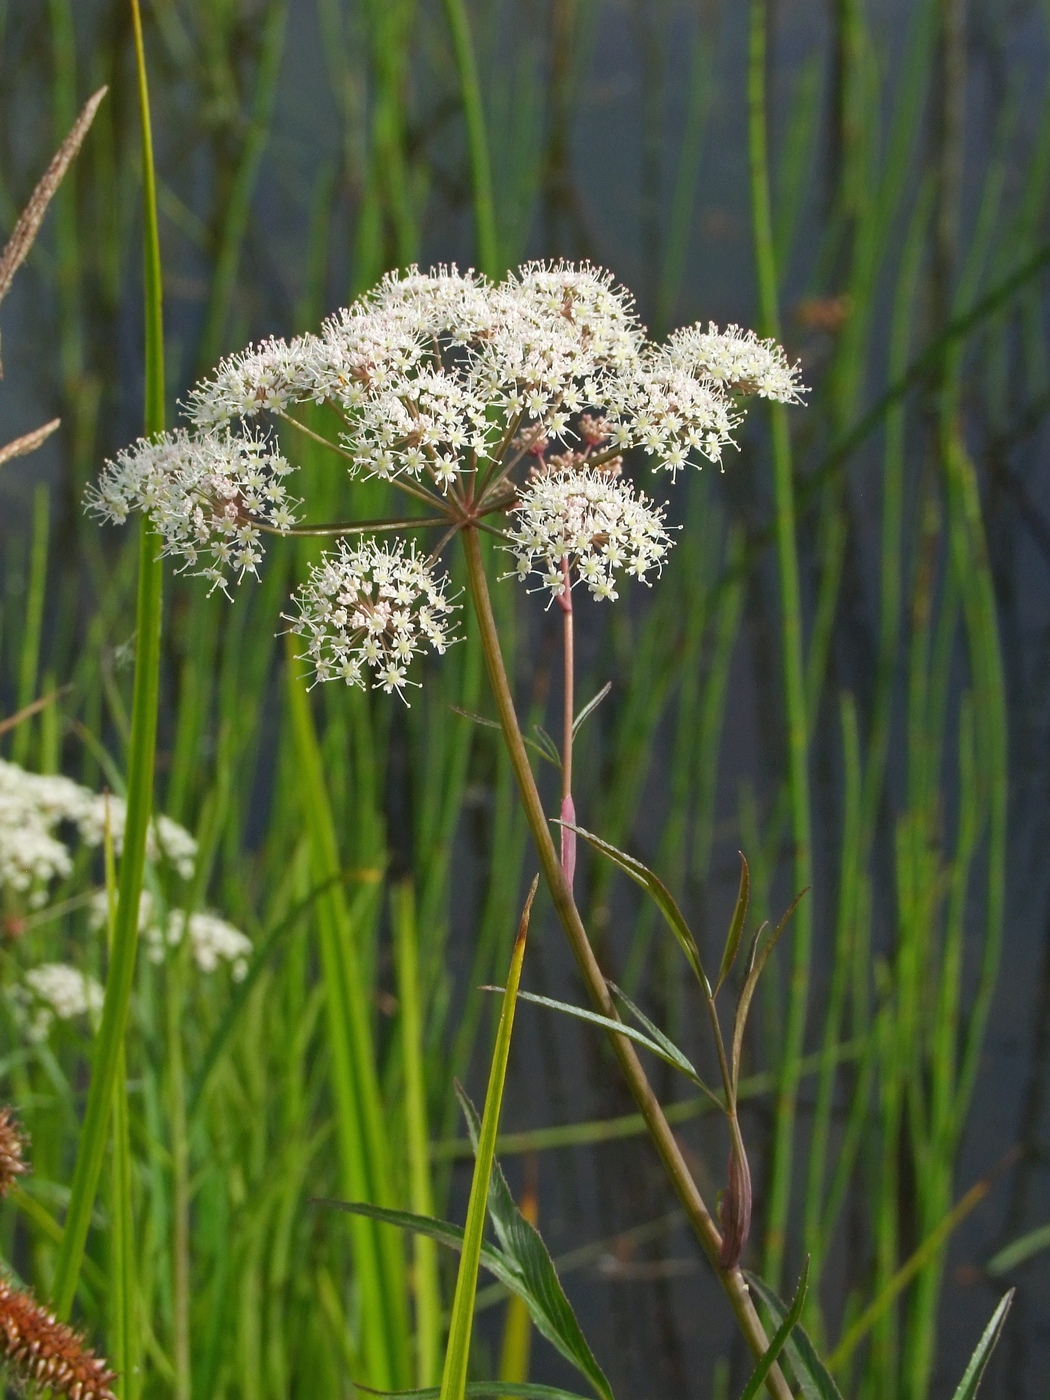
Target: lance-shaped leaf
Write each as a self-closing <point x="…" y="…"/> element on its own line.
<point x="813" y="1376"/>
<point x="736" y="926"/>
<point x="658" y="1044"/>
<point x="590" y="707"/>
<point x="662" y="1040"/>
<point x="661" y="895"/>
<point x="540" y="1288"/>
<point x="780" y="1338"/>
<point x="979" y="1360"/>
<point x="757" y="960"/>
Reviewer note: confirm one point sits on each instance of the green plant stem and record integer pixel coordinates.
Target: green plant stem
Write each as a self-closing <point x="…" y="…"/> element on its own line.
<point x="110" y="1041"/>
<point x="794" y="667"/>
<point x="659" y="1130"/>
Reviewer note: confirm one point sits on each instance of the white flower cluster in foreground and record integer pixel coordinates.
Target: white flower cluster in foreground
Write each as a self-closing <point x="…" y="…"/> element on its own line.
<point x="591" y="522"/>
<point x="367" y="611"/>
<point x="206" y="496"/>
<point x="738" y="359"/>
<point x="56" y="991"/>
<point x="443" y="383"/>
<point x="34" y="807"/>
<point x="212" y="939"/>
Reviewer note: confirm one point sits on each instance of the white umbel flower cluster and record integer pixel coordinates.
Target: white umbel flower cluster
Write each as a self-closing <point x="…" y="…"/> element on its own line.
<point x="34" y="809"/>
<point x="206" y="495"/>
<point x="366" y="611"/>
<point x="57" y="992"/>
<point x="213" y="941"/>
<point x="590" y="524"/>
<point x="737" y="359"/>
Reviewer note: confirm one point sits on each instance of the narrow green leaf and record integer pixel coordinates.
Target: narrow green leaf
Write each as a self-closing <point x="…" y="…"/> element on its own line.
<point x="780" y="1337"/>
<point x="548" y="751"/>
<point x="545" y="745"/>
<point x="979" y="1360"/>
<point x="539" y="1286"/>
<point x="590" y="707"/>
<point x="1017" y="1251"/>
<point x="457" y="1354"/>
<point x="659" y="892"/>
<point x="109" y="1042"/>
<point x="264" y="951"/>
<point x="518" y="1390"/>
<point x="736" y="926"/>
<point x="812" y="1375"/>
<point x="665" y="1041"/>
<point x="757" y="961"/>
<point x="670" y="1055"/>
<point x="427" y="1283"/>
<point x="363" y="1144"/>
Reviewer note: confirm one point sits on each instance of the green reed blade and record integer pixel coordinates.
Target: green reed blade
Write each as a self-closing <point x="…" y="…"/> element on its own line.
<point x="142" y="747"/>
<point x="426" y="1280"/>
<point x="794" y="671"/>
<point x="34" y="621"/>
<point x="457" y="1355"/>
<point x="122" y="1298"/>
<point x="779" y="1339"/>
<point x="477" y="138"/>
<point x="237" y="209"/>
<point x="364" y="1149"/>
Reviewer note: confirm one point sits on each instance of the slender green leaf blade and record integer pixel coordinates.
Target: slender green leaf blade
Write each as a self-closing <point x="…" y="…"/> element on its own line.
<point x="476" y="1390"/>
<point x="759" y="957"/>
<point x="457" y="1354"/>
<point x="812" y="1375"/>
<point x="668" y="1052"/>
<point x="655" y="887"/>
<point x="736" y="926"/>
<point x="539" y="1286"/>
<point x="590" y="708"/>
<point x="979" y="1360"/>
<point x="1017" y="1251"/>
<point x="779" y="1339"/>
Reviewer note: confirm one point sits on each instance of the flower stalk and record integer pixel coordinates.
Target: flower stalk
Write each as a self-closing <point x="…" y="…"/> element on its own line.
<point x="700" y="1218"/>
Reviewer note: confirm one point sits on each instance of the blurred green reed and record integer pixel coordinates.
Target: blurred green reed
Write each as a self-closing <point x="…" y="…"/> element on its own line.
<point x="333" y="829"/>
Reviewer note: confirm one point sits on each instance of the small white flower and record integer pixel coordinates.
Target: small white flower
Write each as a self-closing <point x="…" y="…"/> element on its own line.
<point x="56" y="991"/>
<point x="391" y="606"/>
<point x="595" y="522"/>
<point x="205" y="494"/>
<point x="738" y="359"/>
<point x="38" y="811"/>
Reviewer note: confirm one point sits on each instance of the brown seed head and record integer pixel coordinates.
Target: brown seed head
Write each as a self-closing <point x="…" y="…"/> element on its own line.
<point x="40" y="1349"/>
<point x="12" y="1145"/>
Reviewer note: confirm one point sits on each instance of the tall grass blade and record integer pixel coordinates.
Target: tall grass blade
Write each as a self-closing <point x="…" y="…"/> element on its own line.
<point x="457" y="1354"/>
<point x="779" y="1338"/>
<point x="540" y="1286"/>
<point x="364" y="1152"/>
<point x="427" y="1282"/>
<point x="971" y="1380"/>
<point x="109" y="1042"/>
<point x="477" y="138"/>
<point x="792" y="647"/>
<point x="814" y="1378"/>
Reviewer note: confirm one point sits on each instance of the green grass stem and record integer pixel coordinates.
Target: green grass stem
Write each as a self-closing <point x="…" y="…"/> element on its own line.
<point x="794" y="671"/>
<point x="109" y="1043"/>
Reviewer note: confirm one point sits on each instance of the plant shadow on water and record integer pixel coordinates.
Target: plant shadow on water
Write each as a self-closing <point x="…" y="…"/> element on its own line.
<point x="858" y="728"/>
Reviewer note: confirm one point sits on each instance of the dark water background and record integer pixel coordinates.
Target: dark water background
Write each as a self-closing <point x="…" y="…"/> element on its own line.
<point x="650" y="1308"/>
